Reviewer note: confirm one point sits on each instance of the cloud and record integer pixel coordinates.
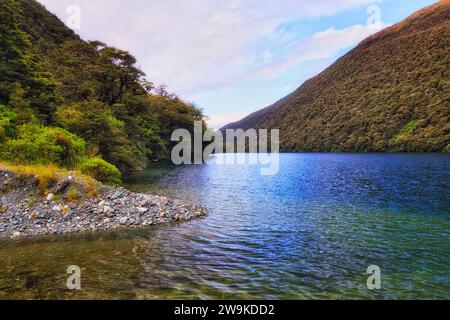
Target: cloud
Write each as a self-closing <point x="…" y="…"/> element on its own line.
<point x="198" y="45"/>
<point x="220" y="120"/>
<point x="322" y="45"/>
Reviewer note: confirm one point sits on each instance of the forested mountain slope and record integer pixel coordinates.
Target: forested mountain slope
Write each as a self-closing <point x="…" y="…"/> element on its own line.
<point x="390" y="93"/>
<point x="76" y="103"/>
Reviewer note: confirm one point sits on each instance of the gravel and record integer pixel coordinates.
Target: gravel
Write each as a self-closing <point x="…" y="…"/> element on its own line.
<point x="25" y="211"/>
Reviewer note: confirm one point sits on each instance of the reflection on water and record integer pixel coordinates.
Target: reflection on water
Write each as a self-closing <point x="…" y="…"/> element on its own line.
<point x="309" y="232"/>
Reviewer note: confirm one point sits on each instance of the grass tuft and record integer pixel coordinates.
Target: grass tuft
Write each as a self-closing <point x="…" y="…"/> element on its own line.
<point x="48" y="176"/>
<point x="73" y="195"/>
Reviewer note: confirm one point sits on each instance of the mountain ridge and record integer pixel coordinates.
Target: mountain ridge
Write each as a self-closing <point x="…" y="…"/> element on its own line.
<point x="389" y="93"/>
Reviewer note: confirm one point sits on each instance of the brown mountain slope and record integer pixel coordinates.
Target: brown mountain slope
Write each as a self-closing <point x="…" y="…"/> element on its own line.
<point x="390" y="93"/>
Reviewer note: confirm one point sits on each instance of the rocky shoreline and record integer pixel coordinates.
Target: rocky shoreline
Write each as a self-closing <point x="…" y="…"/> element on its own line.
<point x="26" y="211"/>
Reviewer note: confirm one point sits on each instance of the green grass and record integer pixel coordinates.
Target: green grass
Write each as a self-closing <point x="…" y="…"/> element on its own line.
<point x="31" y="202"/>
<point x="406" y="130"/>
<point x="48" y="175"/>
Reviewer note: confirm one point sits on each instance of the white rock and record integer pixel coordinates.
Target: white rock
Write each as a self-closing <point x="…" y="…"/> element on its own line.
<point x="56" y="208"/>
<point x="123" y="220"/>
<point x="107" y="209"/>
<point x="50" y="196"/>
<point x="101" y="203"/>
<point x="16" y="234"/>
<point x="142" y="209"/>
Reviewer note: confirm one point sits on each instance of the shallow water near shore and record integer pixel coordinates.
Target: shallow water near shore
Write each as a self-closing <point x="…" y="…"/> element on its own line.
<point x="309" y="232"/>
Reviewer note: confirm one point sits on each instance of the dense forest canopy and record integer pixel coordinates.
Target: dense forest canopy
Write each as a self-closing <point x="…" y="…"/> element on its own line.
<point x="76" y="103"/>
<point x="391" y="93"/>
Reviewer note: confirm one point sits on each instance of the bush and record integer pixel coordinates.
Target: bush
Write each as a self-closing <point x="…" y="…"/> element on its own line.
<point x="37" y="144"/>
<point x="101" y="171"/>
<point x="96" y="123"/>
<point x="7" y="118"/>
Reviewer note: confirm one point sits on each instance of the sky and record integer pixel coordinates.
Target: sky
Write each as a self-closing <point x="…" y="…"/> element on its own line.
<point x="232" y="57"/>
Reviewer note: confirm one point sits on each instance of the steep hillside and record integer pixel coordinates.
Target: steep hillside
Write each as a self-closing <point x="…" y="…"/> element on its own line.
<point x="390" y="93"/>
<point x="78" y="104"/>
<point x="45" y="29"/>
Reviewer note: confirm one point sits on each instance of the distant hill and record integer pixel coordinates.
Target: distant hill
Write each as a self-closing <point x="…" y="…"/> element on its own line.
<point x="389" y="94"/>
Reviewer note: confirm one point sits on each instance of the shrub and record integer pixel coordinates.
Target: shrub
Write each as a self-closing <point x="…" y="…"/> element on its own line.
<point x="101" y="170"/>
<point x="5" y="124"/>
<point x="37" y="144"/>
<point x="96" y="123"/>
<point x="7" y="118"/>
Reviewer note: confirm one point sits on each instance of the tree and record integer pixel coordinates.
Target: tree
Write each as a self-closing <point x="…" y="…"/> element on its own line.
<point x="119" y="75"/>
<point x="21" y="105"/>
<point x="96" y="123"/>
<point x="14" y="58"/>
<point x="18" y="63"/>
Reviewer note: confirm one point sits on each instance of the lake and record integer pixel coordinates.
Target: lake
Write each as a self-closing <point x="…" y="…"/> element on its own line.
<point x="309" y="232"/>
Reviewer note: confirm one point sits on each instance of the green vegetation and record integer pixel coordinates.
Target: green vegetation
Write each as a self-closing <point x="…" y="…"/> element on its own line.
<point x="73" y="195"/>
<point x="76" y="104"/>
<point x="35" y="143"/>
<point x="390" y="94"/>
<point x="47" y="176"/>
<point x="406" y="130"/>
<point x="100" y="170"/>
<point x="30" y="201"/>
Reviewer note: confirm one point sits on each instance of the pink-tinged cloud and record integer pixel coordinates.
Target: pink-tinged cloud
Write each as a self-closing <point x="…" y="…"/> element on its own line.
<point x="198" y="45"/>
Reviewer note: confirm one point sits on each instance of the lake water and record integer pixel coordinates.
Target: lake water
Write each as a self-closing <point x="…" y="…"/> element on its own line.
<point x="309" y="232"/>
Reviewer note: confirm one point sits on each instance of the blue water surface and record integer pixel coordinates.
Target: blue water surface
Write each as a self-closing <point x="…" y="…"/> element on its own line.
<point x="310" y="231"/>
